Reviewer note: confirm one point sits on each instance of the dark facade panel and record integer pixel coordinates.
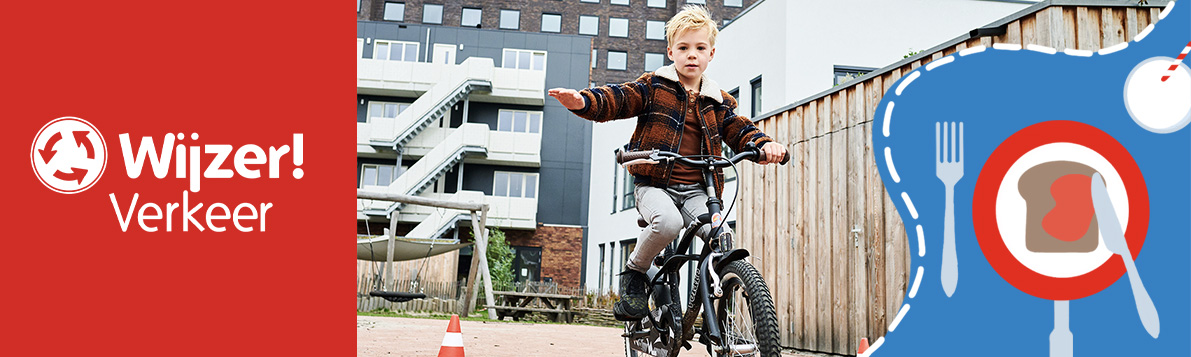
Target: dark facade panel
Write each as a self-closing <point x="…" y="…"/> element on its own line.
<point x="566" y="138"/>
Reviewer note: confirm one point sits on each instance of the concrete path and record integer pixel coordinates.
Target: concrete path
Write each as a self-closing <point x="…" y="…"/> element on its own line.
<point x="396" y="336"/>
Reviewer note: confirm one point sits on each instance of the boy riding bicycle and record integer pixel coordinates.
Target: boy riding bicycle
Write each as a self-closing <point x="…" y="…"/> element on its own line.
<point x="670" y="196"/>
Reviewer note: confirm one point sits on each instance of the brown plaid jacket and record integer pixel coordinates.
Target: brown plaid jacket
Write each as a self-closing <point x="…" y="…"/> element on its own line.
<point x="659" y="102"/>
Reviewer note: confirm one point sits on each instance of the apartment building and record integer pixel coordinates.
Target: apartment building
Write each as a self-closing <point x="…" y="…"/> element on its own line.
<point x="461" y="114"/>
<point x="628" y="36"/>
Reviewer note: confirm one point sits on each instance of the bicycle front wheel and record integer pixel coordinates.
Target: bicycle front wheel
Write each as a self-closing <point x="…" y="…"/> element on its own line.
<point x="746" y="314"/>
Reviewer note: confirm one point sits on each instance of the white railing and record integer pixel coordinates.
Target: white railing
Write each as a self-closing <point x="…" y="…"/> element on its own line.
<point x="520" y="149"/>
<point x="504" y="212"/>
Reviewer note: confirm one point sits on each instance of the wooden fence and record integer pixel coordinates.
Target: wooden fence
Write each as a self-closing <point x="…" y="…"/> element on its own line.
<point x="823" y="231"/>
<point x="436" y="277"/>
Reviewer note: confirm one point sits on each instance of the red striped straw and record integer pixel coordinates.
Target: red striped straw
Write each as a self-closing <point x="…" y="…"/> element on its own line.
<point x="1178" y="60"/>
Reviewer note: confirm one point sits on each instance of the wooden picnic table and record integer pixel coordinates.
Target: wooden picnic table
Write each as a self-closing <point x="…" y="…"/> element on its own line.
<point x="517" y="304"/>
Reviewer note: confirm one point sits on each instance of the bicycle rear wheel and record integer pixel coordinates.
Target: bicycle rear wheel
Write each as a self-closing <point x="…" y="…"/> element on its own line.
<point x="746" y="313"/>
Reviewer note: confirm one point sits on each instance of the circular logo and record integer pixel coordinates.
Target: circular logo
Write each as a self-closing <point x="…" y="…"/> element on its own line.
<point x="68" y="155"/>
<point x="1049" y="268"/>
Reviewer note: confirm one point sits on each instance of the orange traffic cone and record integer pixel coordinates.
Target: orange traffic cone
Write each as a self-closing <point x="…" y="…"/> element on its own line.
<point x="863" y="345"/>
<point x="452" y="342"/>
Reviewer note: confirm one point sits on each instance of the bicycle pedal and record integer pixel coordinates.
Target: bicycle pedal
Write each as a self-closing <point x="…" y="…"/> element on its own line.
<point x="686" y="345"/>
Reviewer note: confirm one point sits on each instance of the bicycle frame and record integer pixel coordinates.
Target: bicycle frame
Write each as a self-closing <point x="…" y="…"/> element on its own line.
<point x="718" y="250"/>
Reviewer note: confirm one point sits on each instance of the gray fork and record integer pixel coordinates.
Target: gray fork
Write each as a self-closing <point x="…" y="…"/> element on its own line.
<point x="949" y="167"/>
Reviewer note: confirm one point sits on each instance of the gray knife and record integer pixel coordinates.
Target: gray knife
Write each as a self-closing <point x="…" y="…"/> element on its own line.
<point x="1114" y="240"/>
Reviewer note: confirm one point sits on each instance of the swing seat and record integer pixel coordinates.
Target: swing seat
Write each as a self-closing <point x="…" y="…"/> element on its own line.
<point x="396" y="296"/>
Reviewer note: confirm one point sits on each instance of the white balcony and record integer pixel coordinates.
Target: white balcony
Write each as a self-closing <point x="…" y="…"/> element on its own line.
<point x="503" y="212"/>
<point x="504" y="148"/>
<point x="412" y="79"/>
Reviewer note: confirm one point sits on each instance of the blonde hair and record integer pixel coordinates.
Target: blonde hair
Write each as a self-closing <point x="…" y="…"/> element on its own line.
<point x="691" y="18"/>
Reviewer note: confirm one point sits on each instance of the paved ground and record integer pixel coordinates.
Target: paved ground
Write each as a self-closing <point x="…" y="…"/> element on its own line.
<point x="395" y="336"/>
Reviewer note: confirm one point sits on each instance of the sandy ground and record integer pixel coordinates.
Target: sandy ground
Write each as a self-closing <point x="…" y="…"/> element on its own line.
<point x="395" y="336"/>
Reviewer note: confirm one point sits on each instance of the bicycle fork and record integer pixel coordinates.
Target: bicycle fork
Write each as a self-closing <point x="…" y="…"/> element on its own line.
<point x="711" y="325"/>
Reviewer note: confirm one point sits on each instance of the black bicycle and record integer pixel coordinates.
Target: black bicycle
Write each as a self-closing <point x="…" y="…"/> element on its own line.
<point x="739" y="318"/>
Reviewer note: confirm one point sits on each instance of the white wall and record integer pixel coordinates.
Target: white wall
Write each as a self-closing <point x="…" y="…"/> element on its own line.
<point x="794" y="45"/>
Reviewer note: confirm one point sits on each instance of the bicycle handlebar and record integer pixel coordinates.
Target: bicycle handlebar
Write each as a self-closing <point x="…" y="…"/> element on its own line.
<point x="655" y="156"/>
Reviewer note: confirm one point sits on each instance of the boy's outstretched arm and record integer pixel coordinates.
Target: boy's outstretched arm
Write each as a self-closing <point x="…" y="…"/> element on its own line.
<point x="600" y="104"/>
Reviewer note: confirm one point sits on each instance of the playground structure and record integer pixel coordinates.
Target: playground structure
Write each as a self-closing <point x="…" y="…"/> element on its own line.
<point x="479" y="262"/>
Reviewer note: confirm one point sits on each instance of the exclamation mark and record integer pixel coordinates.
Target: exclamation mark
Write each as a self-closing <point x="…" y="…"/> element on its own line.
<point x="298" y="156"/>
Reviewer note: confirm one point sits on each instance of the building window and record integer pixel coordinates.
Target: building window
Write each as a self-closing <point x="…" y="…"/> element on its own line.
<point x="847" y="73"/>
<point x="603" y="265"/>
<point x="514" y="184"/>
<point x="696" y="1"/>
<point x="377" y="175"/>
<point x="729" y="175"/>
<point x="655" y="30"/>
<point x="432" y="14"/>
<point x="618" y="27"/>
<point x="617" y="60"/>
<point x="395" y="51"/>
<point x="527" y="264"/>
<point x="510" y="19"/>
<point x="594" y="1"/>
<point x="357" y="5"/>
<point x="394" y="11"/>
<point x="551" y="23"/>
<point x="471" y="17"/>
<point x="630" y="198"/>
<point x="593" y="58"/>
<point x="615" y="184"/>
<point x="733" y="3"/>
<point x="656" y="3"/>
<point x="385" y="110"/>
<point x="589" y="25"/>
<point x="756" y="94"/>
<point x="653" y="61"/>
<point x="524" y="59"/>
<point x="626" y="248"/>
<point x="519" y="121"/>
<point x="735" y="93"/>
<point x="620" y="2"/>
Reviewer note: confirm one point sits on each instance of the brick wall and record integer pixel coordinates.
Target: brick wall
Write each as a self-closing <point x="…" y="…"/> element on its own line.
<point x="637" y="12"/>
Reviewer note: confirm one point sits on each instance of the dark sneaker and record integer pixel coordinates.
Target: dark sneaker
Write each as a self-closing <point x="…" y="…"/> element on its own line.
<point x="634" y="300"/>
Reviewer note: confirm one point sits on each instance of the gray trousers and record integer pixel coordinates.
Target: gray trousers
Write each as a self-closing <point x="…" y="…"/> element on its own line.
<point x="667" y="210"/>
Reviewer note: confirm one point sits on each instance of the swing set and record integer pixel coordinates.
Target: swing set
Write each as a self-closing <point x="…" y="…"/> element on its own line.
<point x="479" y="262"/>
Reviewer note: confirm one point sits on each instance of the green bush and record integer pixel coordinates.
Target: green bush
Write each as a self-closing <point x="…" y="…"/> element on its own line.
<point x="500" y="260"/>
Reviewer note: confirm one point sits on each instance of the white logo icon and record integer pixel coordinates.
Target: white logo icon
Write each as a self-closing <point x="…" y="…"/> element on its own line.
<point x="68" y="155"/>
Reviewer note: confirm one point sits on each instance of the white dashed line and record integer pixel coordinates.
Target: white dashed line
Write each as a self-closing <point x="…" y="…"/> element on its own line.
<point x="968" y="51"/>
<point x="889" y="164"/>
<point x="921" y="242"/>
<point x="1078" y="53"/>
<point x="1169" y="5"/>
<point x="888" y="116"/>
<point x="910" y="205"/>
<point x="898" y="319"/>
<point x="1007" y="46"/>
<point x="1043" y="49"/>
<point x="873" y="348"/>
<point x="1112" y="49"/>
<point x="939" y="62"/>
<point x="906" y="82"/>
<point x="1143" y="33"/>
<point x="917" y="281"/>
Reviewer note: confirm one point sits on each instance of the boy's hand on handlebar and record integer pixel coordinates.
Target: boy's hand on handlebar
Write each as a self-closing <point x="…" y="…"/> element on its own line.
<point x="772" y="153"/>
<point x="569" y="98"/>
